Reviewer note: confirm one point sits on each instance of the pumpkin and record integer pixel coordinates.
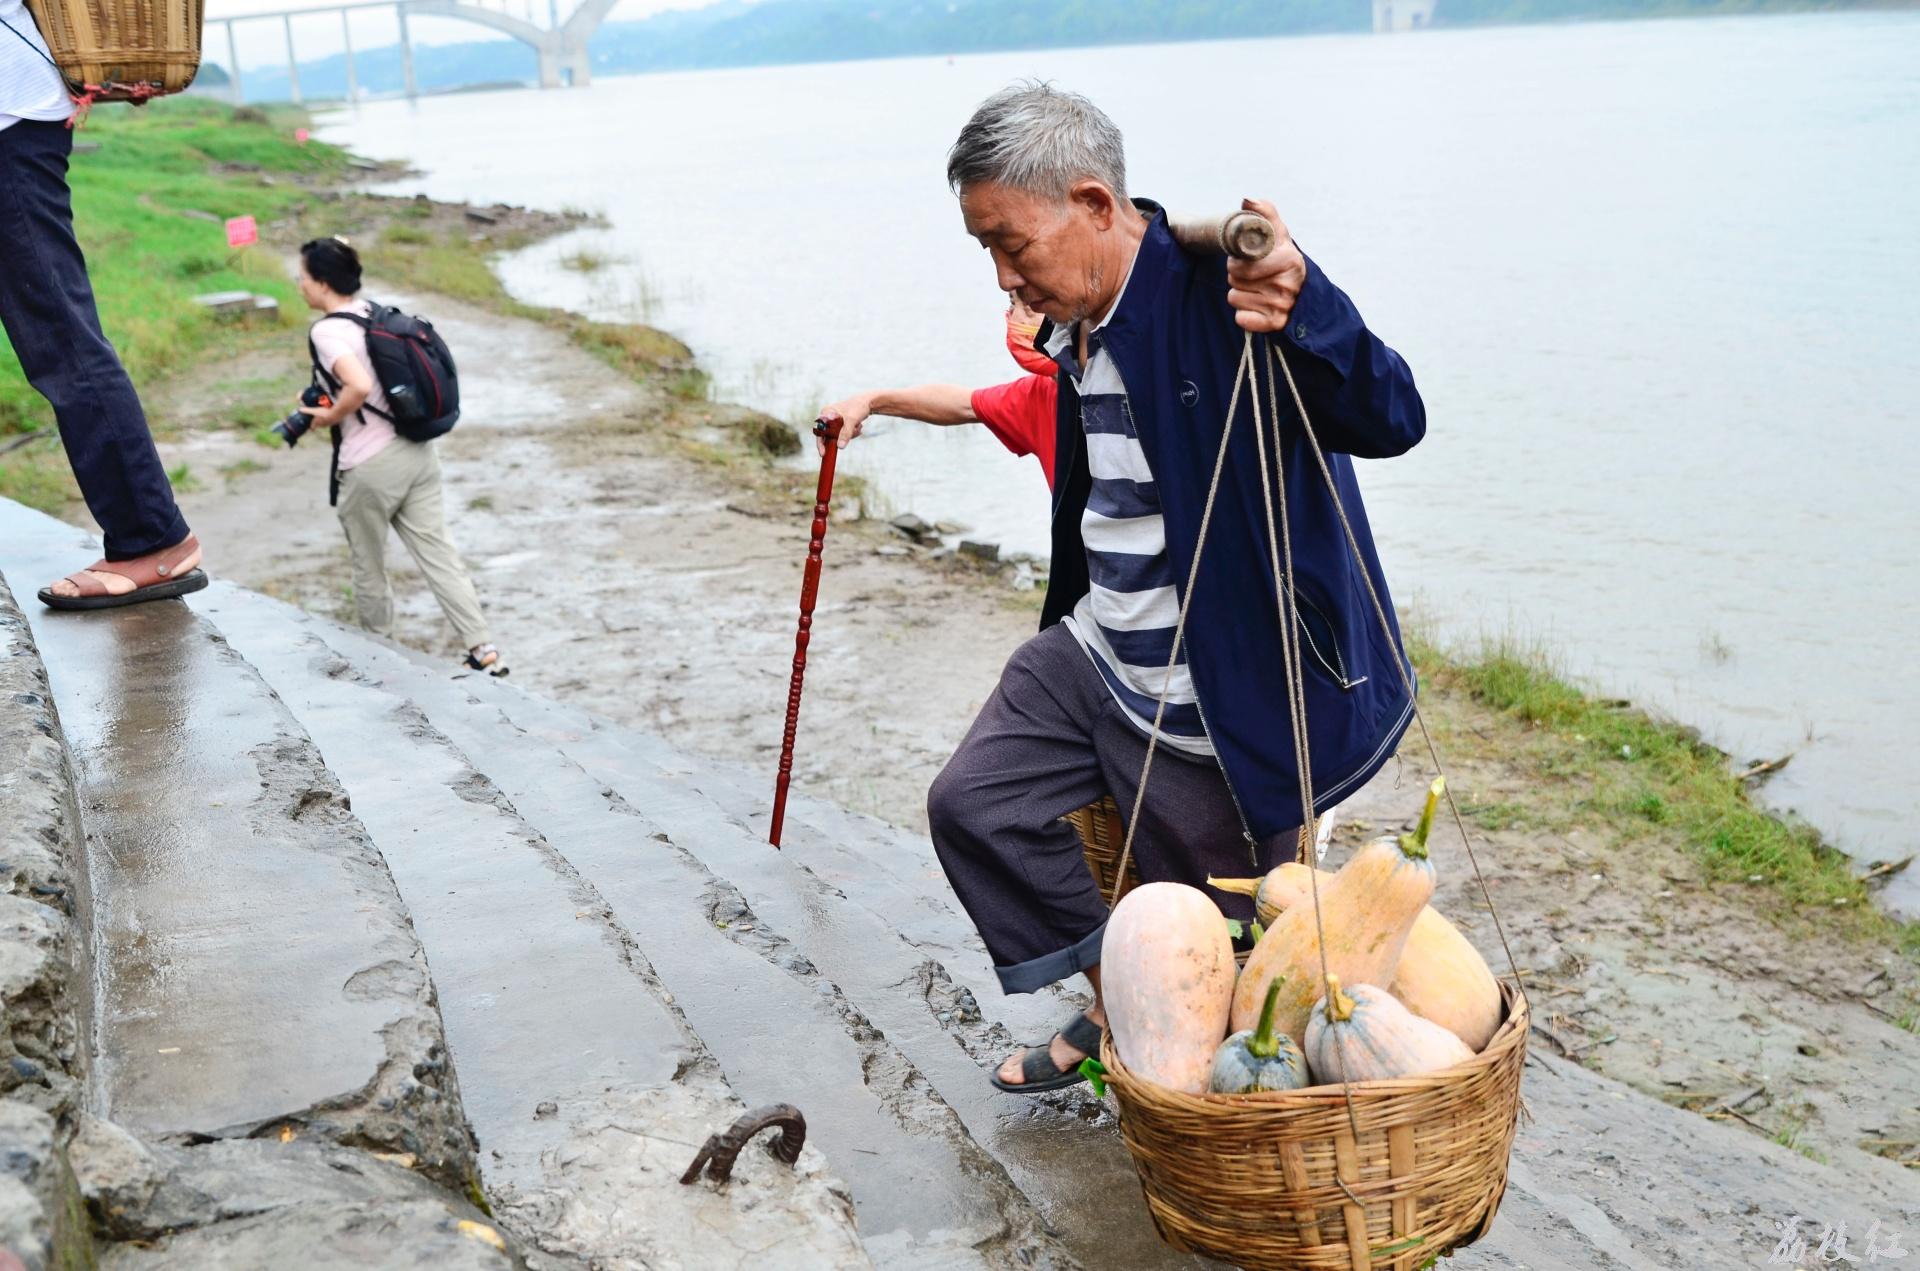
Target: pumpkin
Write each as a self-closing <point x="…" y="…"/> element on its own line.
<point x="1248" y="1063"/>
<point x="1367" y="1035"/>
<point x="1166" y="978"/>
<point x="1441" y="976"/>
<point x="1367" y="911"/>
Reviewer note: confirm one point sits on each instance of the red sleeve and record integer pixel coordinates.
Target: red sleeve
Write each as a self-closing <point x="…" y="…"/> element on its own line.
<point x="1021" y="414"/>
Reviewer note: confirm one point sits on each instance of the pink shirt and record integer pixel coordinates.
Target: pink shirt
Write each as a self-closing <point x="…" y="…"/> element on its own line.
<point x="363" y="434"/>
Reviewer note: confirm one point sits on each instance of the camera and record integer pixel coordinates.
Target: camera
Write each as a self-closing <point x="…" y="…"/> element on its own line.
<point x="294" y="426"/>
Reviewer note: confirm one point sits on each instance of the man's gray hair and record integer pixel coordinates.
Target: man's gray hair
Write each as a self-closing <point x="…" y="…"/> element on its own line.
<point x="1041" y="139"/>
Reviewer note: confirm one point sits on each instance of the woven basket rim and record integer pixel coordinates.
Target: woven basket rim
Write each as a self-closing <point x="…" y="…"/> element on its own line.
<point x="1511" y="1033"/>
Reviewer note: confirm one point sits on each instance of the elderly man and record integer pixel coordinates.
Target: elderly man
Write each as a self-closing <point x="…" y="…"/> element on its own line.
<point x="1149" y="340"/>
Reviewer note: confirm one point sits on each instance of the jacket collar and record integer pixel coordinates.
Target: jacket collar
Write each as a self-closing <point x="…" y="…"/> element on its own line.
<point x="1139" y="294"/>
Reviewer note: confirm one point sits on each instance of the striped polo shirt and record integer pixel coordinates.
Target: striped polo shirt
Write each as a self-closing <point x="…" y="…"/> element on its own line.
<point x="30" y="87"/>
<point x="1126" y="620"/>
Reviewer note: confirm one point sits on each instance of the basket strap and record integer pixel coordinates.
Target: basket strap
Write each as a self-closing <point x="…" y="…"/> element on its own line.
<point x="1240" y="380"/>
<point x="1280" y="549"/>
<point x="1400" y="661"/>
<point x="35" y="47"/>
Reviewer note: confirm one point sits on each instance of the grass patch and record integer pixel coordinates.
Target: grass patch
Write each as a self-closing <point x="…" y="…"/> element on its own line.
<point x="232" y="472"/>
<point x="147" y="207"/>
<point x="635" y="351"/>
<point x="181" y="477"/>
<point x="149" y="257"/>
<point x="1637" y="769"/>
<point x="447" y="264"/>
<point x="690" y="384"/>
<point x="1495" y="816"/>
<point x="38" y="476"/>
<point x="585" y="262"/>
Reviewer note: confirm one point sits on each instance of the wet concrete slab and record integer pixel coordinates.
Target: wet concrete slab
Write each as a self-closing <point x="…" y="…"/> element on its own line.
<point x="780" y="1029"/>
<point x="556" y="1029"/>
<point x="538" y="985"/>
<point x="255" y="966"/>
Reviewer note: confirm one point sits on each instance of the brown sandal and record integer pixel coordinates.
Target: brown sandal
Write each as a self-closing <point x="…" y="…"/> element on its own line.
<point x="154" y="576"/>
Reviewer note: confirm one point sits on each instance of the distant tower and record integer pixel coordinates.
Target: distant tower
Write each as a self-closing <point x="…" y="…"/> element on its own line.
<point x="1402" y="15"/>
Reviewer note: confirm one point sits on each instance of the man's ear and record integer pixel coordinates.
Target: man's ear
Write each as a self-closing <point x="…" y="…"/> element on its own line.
<point x="1096" y="200"/>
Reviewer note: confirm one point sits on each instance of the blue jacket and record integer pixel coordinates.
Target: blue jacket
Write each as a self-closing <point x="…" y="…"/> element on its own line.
<point x="1175" y="344"/>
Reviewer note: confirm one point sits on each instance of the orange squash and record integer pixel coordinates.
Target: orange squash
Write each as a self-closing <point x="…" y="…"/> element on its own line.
<point x="1166" y="977"/>
<point x="1367" y="911"/>
<point x="1368" y="1036"/>
<point x="1441" y="976"/>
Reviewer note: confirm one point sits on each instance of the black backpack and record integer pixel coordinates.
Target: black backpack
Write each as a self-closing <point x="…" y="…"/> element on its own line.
<point x="414" y="368"/>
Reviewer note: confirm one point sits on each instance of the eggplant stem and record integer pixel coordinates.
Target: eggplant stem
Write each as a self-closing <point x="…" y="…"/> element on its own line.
<point x="1414" y="845"/>
<point x="1263" y="1044"/>
<point x="1238" y="886"/>
<point x="1339" y="1005"/>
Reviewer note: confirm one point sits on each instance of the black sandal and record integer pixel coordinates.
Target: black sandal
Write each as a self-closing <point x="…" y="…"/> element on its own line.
<point x="1039" y="1073"/>
<point x="484" y="657"/>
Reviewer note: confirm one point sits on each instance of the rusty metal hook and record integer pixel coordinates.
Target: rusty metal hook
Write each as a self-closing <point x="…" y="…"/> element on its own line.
<point x="720" y="1150"/>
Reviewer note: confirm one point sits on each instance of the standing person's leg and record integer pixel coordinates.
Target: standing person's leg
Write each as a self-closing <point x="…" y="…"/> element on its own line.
<point x="1018" y="869"/>
<point x="370" y="492"/>
<point x="47" y="306"/>
<point x="422" y="523"/>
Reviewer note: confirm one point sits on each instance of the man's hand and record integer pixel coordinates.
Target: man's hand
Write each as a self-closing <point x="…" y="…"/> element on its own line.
<point x="1262" y="292"/>
<point x="853" y="413"/>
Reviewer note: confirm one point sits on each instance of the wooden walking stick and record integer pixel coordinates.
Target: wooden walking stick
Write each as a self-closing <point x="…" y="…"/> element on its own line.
<point x="826" y="427"/>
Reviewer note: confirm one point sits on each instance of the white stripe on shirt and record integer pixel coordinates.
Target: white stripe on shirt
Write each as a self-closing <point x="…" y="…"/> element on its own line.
<point x="30" y="88"/>
<point x="1112" y="457"/>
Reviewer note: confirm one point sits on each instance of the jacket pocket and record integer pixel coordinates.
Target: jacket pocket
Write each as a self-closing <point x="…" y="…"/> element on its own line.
<point x="1322" y="641"/>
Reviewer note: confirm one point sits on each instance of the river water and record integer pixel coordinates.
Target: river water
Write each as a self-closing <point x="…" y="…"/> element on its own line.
<point x="1657" y="282"/>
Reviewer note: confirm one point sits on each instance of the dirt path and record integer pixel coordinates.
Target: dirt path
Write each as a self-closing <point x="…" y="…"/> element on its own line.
<point x="623" y="575"/>
<point x="619" y="575"/>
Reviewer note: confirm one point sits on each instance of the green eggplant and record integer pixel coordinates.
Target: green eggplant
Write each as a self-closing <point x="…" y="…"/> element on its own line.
<point x="1259" y="1059"/>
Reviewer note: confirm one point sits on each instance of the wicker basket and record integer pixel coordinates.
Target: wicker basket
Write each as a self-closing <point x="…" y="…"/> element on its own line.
<point x="1256" y="1180"/>
<point x="123" y="50"/>
<point x="1102" y="835"/>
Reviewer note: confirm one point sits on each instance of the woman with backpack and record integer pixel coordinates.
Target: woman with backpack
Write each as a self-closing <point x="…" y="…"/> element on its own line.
<point x="384" y="478"/>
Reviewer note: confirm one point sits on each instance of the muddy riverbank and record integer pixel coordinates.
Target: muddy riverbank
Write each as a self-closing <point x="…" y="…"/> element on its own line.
<point x="634" y="556"/>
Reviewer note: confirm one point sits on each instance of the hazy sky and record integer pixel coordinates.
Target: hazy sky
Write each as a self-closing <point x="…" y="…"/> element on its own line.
<point x="319" y="35"/>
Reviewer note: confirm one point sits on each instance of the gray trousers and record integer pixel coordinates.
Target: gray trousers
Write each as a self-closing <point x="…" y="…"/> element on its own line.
<point x="401" y="487"/>
<point x="1049" y="741"/>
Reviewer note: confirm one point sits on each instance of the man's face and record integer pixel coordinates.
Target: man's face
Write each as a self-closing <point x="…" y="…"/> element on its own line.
<point x="1047" y="252"/>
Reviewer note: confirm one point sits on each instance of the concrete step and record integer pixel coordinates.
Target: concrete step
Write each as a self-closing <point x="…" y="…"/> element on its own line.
<point x="255" y="970"/>
<point x="557" y="1020"/>
<point x="781" y="1028"/>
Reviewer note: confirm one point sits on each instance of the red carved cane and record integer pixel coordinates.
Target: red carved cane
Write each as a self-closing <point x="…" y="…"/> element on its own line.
<point x="827" y="427"/>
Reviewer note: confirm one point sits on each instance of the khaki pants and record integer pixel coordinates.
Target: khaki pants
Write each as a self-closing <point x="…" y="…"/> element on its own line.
<point x="401" y="487"/>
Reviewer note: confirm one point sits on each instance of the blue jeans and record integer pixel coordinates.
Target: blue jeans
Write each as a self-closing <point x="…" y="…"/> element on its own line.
<point x="46" y="305"/>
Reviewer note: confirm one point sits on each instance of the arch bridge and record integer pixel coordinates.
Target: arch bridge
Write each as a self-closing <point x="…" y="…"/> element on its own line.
<point x="560" y="46"/>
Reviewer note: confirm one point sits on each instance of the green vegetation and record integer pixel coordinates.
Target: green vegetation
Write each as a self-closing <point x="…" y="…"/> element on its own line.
<point x="1628" y="769"/>
<point x="148" y="207"/>
<point x="232" y="472"/>
<point x="585" y="262"/>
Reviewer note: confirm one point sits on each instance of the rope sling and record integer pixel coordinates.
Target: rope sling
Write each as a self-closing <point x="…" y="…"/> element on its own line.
<point x="1279" y="546"/>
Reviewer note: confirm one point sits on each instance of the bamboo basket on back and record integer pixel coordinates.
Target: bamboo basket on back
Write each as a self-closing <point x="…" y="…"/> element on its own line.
<point x="123" y="50"/>
<point x="1355" y="1176"/>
